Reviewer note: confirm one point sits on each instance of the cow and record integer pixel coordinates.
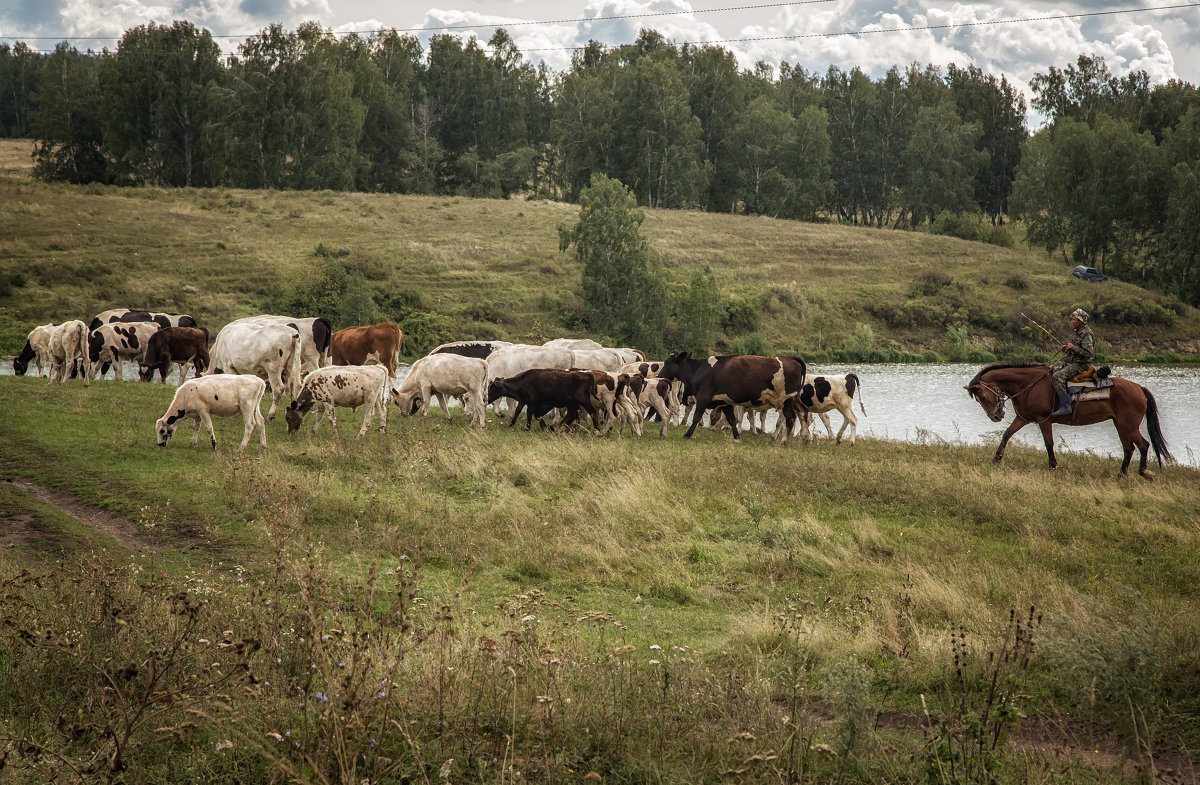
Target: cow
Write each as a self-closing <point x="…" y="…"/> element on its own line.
<point x="133" y="315"/>
<point x="740" y="379"/>
<point x="598" y="360"/>
<point x="478" y="349"/>
<point x="573" y="344"/>
<point x="610" y="396"/>
<point x="657" y="395"/>
<point x="512" y="360"/>
<point x="110" y="343"/>
<point x="223" y="395"/>
<point x="341" y="385"/>
<point x="179" y="345"/>
<point x="315" y="336"/>
<point x="270" y="351"/>
<point x="37" y="348"/>
<point x="541" y="390"/>
<point x="378" y="343"/>
<point x="823" y="394"/>
<point x="442" y="376"/>
<point x="68" y="343"/>
<point x="647" y="369"/>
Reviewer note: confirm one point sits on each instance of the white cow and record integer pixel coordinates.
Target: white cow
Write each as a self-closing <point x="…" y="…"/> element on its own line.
<point x="37" y="348"/>
<point x="573" y="343"/>
<point x="68" y="343"/>
<point x="822" y="394"/>
<point x="315" y="333"/>
<point x="341" y="385"/>
<point x="110" y="343"/>
<point x="269" y="351"/>
<point x="223" y="395"/>
<point x="443" y="376"/>
<point x="598" y="360"/>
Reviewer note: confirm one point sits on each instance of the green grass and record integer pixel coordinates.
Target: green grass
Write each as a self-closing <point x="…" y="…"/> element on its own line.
<point x="759" y="571"/>
<point x="491" y="268"/>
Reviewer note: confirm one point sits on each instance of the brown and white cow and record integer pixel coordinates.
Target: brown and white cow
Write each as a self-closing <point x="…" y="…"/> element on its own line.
<point x="270" y="351"/>
<point x="443" y="376"/>
<point x="111" y="343"/>
<point x="68" y="343"/>
<point x="377" y="343"/>
<point x="656" y="395"/>
<point x="37" y="348"/>
<point x="223" y="395"/>
<point x="315" y="334"/>
<point x="350" y="386"/>
<point x="478" y="349"/>
<point x="134" y="315"/>
<point x="746" y="380"/>
<point x="823" y="394"/>
<point x="541" y="390"/>
<point x="179" y="345"/>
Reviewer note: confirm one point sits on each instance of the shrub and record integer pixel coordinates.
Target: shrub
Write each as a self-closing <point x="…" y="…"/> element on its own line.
<point x="741" y="316"/>
<point x="751" y="343"/>
<point x="423" y="331"/>
<point x="965" y="226"/>
<point x="1017" y="281"/>
<point x="928" y="284"/>
<point x="1131" y="311"/>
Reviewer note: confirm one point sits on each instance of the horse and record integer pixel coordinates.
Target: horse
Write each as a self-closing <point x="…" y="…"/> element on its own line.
<point x="1029" y="388"/>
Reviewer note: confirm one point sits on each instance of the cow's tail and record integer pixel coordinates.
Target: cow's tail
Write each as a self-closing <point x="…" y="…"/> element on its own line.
<point x="294" y="366"/>
<point x="854" y="385"/>
<point x="322" y="337"/>
<point x="1157" y="440"/>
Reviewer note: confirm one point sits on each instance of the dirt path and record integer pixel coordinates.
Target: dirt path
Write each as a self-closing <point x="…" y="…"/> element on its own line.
<point x="124" y="531"/>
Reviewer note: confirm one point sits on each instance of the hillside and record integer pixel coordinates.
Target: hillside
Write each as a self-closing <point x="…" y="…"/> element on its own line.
<point x="462" y="267"/>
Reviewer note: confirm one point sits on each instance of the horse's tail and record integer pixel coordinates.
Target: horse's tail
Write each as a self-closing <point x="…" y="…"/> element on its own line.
<point x="1156" y="435"/>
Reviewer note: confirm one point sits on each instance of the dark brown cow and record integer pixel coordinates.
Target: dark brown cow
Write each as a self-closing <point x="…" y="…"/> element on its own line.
<point x="133" y="315"/>
<point x="175" y="345"/>
<point x="739" y="380"/>
<point x="378" y="343"/>
<point x="541" y="390"/>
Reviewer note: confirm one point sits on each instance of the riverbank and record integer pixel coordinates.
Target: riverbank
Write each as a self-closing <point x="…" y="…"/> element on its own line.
<point x="566" y="604"/>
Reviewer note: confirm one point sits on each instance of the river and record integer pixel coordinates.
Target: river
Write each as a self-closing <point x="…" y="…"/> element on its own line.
<point x="926" y="404"/>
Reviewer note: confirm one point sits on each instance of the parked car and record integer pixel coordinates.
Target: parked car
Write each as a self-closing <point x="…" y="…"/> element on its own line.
<point x="1089" y="273"/>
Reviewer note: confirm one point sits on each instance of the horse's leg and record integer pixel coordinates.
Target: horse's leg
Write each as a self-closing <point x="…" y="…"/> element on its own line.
<point x="1047" y="428"/>
<point x="1017" y="424"/>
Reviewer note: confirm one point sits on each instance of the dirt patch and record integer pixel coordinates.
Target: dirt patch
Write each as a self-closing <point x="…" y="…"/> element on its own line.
<point x="118" y="527"/>
<point x="18" y="530"/>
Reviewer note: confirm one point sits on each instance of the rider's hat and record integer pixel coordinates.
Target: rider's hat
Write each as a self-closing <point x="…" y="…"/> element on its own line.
<point x="1080" y="314"/>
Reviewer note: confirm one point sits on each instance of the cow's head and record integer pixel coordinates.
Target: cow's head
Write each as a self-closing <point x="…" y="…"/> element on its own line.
<point x="676" y="363"/>
<point x="146" y="372"/>
<point x="497" y="388"/>
<point x="294" y="414"/>
<point x="408" y="403"/>
<point x="21" y="361"/>
<point x="165" y="426"/>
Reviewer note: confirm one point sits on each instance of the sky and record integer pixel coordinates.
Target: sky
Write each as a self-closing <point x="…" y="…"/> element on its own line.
<point x="1014" y="38"/>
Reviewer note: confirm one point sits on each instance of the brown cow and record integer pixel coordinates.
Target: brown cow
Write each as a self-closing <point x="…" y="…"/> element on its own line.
<point x="739" y="380"/>
<point x="378" y="343"/>
<point x="175" y="345"/>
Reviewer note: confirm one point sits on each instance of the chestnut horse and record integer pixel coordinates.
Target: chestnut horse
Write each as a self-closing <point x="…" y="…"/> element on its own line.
<point x="1028" y="387"/>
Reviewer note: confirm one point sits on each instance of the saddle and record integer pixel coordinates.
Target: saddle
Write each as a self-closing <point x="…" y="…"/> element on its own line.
<point x="1090" y="385"/>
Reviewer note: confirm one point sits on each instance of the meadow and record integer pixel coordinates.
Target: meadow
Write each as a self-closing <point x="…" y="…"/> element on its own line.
<point x="441" y="604"/>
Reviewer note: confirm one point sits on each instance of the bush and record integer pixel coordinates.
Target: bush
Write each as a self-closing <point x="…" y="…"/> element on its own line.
<point x="752" y="343"/>
<point x="964" y="226"/>
<point x="1017" y="281"/>
<point x="741" y="316"/>
<point x="928" y="284"/>
<point x="424" y="331"/>
<point x="1132" y="312"/>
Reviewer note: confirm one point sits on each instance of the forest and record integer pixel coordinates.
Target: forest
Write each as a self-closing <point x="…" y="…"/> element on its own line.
<point x="1111" y="180"/>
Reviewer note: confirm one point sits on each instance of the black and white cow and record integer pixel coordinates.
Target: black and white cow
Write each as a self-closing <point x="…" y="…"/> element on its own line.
<point x="315" y="333"/>
<point x="269" y="351"/>
<point x="481" y="350"/>
<point x="111" y="343"/>
<point x="747" y="380"/>
<point x="823" y="394"/>
<point x="37" y="349"/>
<point x="134" y="315"/>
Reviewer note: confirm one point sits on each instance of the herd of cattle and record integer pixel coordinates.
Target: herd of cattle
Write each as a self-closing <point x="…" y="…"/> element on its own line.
<point x="322" y="370"/>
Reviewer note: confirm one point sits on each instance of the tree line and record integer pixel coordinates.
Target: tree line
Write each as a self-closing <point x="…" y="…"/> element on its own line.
<point x="1110" y="181"/>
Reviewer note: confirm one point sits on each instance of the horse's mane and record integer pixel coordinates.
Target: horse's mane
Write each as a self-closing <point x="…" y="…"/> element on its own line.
<point x="1000" y="366"/>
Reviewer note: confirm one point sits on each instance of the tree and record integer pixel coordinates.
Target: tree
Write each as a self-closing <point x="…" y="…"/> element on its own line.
<point x="18" y="81"/>
<point x="998" y="109"/>
<point x="941" y="163"/>
<point x="623" y="286"/>
<point x="698" y="313"/>
<point x="68" y="122"/>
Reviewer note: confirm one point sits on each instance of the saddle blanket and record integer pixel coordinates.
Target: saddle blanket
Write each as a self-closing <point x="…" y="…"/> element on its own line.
<point x="1090" y="394"/>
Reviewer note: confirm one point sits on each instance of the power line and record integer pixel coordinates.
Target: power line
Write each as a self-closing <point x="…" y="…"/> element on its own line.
<point x="793" y="37"/>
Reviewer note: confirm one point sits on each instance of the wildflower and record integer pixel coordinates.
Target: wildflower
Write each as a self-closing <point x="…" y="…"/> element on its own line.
<point x="204" y="641"/>
<point x="324" y="637"/>
<point x="275" y="736"/>
<point x="224" y="745"/>
<point x="322" y="697"/>
<point x="382" y="694"/>
<point x="655" y="647"/>
<point x="654" y="662"/>
<point x="341" y="664"/>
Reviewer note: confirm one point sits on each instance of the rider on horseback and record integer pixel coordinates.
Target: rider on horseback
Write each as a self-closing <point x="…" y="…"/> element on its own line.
<point x="1077" y="359"/>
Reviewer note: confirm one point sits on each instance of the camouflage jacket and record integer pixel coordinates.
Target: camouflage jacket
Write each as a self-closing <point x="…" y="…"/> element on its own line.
<point x="1083" y="350"/>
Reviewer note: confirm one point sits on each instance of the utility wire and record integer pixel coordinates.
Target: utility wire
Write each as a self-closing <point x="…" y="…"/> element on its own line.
<point x="792" y="37"/>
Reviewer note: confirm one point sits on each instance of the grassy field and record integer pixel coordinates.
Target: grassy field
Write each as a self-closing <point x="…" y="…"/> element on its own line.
<point x="491" y="268"/>
<point x="547" y="605"/>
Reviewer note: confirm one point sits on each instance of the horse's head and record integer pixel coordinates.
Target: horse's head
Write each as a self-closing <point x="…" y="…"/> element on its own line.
<point x="990" y="398"/>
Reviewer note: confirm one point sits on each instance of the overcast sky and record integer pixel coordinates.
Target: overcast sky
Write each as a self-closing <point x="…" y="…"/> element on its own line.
<point x="814" y="34"/>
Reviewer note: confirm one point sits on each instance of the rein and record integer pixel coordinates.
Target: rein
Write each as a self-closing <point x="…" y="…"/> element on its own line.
<point x="1002" y="397"/>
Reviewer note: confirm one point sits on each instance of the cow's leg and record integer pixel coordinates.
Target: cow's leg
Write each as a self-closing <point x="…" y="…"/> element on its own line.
<point x="700" y="404"/>
<point x="331" y="413"/>
<point x="276" y="382"/>
<point x="828" y="427"/>
<point x="117" y="372"/>
<point x="320" y="415"/>
<point x="1016" y="425"/>
<point x="730" y="417"/>
<point x="195" y="430"/>
<point x="261" y="423"/>
<point x="1047" y="428"/>
<point x="249" y="420"/>
<point x="516" y="414"/>
<point x="848" y="418"/>
<point x="445" y="404"/>
<point x="788" y="414"/>
<point x="368" y="410"/>
<point x="206" y="418"/>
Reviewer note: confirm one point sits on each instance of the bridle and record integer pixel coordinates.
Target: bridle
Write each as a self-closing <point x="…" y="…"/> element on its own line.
<point x="997" y="412"/>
